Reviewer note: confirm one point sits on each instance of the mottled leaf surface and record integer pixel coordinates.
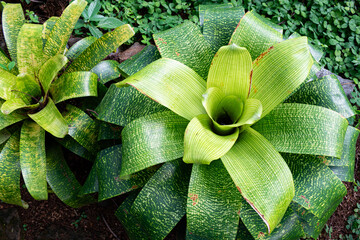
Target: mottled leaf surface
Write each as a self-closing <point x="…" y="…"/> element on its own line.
<point x="204" y="8"/>
<point x="75" y="147"/>
<point x="9" y="119"/>
<point x="106" y="70"/>
<point x="7" y="81"/>
<point x="79" y="47"/>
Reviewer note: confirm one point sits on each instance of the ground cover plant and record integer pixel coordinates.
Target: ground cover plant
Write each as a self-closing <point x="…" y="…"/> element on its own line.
<point x="36" y="82"/>
<point x="196" y="151"/>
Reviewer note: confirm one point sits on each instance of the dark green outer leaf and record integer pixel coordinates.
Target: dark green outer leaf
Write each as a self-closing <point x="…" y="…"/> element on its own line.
<point x="81" y="127"/>
<point x="108" y="131"/>
<point x="10" y="173"/>
<point x="63" y="27"/>
<point x="120" y="106"/>
<point x="325" y="92"/>
<point x="344" y="167"/>
<point x="151" y="140"/>
<point x="79" y="47"/>
<point x="139" y="61"/>
<point x="108" y="165"/>
<point x="106" y="70"/>
<point x="219" y="24"/>
<point x="7" y="120"/>
<point x="33" y="159"/>
<point x="186" y="44"/>
<point x="101" y="48"/>
<point x="203" y="8"/>
<point x="61" y="180"/>
<point x="91" y="184"/>
<point x="74" y="85"/>
<point x="75" y="147"/>
<point x="317" y="190"/>
<point x="255" y="35"/>
<point x="47" y="27"/>
<point x="4" y="136"/>
<point x="213" y="204"/>
<point x="304" y="129"/>
<point x="162" y="201"/>
<point x="12" y="20"/>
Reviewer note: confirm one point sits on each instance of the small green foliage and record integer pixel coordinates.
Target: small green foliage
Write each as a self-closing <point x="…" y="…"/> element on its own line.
<point x="356" y="185"/>
<point x="25" y="227"/>
<point x="9" y="67"/>
<point x="77" y="221"/>
<point x="31" y="16"/>
<point x="328" y="230"/>
<point x="353" y="224"/>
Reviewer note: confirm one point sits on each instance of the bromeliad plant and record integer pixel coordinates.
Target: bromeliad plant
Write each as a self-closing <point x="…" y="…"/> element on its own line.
<point x="42" y="79"/>
<point x="256" y="151"/>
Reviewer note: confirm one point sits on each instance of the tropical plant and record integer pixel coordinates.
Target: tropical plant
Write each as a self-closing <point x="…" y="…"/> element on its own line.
<point x="33" y="94"/>
<point x="256" y="151"/>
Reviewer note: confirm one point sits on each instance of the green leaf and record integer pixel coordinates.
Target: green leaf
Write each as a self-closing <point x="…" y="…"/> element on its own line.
<point x="47" y="27"/>
<point x="304" y="129"/>
<point x="204" y="8"/>
<point x="10" y="172"/>
<point x="139" y="61"/>
<point x="101" y="48"/>
<point x="107" y="70"/>
<point x="255" y="35"/>
<point x="74" y="85"/>
<point x="344" y="167"/>
<point x="230" y="71"/>
<point x="5" y="61"/>
<point x="9" y="119"/>
<point x="186" y="44"/>
<point x="151" y="140"/>
<point x="91" y="184"/>
<point x="325" y="92"/>
<point x="61" y="180"/>
<point x="4" y="136"/>
<point x="26" y="88"/>
<point x="94" y="8"/>
<point x="95" y="31"/>
<point x="162" y="201"/>
<point x="7" y="81"/>
<point x="14" y="104"/>
<point x="81" y="127"/>
<point x="315" y="51"/>
<point x="33" y="159"/>
<point x="108" y="170"/>
<point x="317" y="191"/>
<point x="75" y="147"/>
<point x="60" y="33"/>
<point x="259" y="171"/>
<point x="171" y="84"/>
<point x="50" y="119"/>
<point x="219" y="24"/>
<point x="202" y="145"/>
<point x="79" y="47"/>
<point x="30" y="53"/>
<point x="213" y="203"/>
<point x="279" y="71"/>
<point x="120" y="106"/>
<point x="110" y="22"/>
<point x="50" y="70"/>
<point x="12" y="20"/>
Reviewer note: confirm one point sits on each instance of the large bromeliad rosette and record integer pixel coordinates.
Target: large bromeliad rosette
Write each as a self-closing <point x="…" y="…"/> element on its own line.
<point x="231" y="129"/>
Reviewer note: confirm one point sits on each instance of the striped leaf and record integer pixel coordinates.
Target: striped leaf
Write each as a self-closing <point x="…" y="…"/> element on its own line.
<point x="7" y="82"/>
<point x="120" y="106"/>
<point x="4" y="136"/>
<point x="213" y="203"/>
<point x="317" y="191"/>
<point x="82" y="128"/>
<point x="91" y="184"/>
<point x="50" y="70"/>
<point x="204" y="8"/>
<point x="172" y="84"/>
<point x="315" y="51"/>
<point x="186" y="44"/>
<point x="74" y="85"/>
<point x="61" y="180"/>
<point x="219" y="24"/>
<point x="33" y="159"/>
<point x="162" y="201"/>
<point x="259" y="171"/>
<point x="47" y="27"/>
<point x="75" y="147"/>
<point x="101" y="48"/>
<point x="30" y="53"/>
<point x="261" y="38"/>
<point x="9" y="119"/>
<point x="50" y="119"/>
<point x="108" y="170"/>
<point x="202" y="145"/>
<point x="62" y="29"/>
<point x="151" y="140"/>
<point x="79" y="47"/>
<point x="279" y="71"/>
<point x="139" y="61"/>
<point x="12" y="20"/>
<point x="230" y="71"/>
<point x="13" y="104"/>
<point x="304" y="129"/>
<point x="344" y="167"/>
<point x="26" y="88"/>
<point x="107" y="70"/>
<point x="325" y="92"/>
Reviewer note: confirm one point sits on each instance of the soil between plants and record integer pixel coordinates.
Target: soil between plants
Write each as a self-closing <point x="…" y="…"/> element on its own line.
<point x="52" y="219"/>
